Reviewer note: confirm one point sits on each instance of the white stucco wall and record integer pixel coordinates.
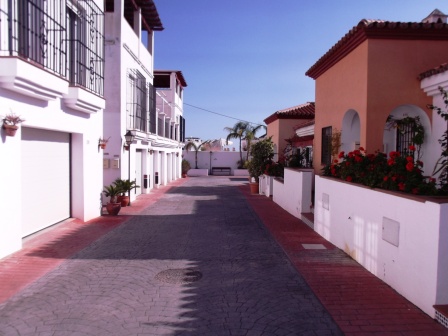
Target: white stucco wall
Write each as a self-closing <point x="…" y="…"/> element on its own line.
<point x="217" y="159"/>
<point x="294" y="193"/>
<point x="431" y="86"/>
<point x="400" y="240"/>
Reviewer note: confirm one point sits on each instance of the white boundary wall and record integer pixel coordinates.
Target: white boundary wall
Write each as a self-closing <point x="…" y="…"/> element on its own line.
<point x="401" y="240"/>
<point x="294" y="193"/>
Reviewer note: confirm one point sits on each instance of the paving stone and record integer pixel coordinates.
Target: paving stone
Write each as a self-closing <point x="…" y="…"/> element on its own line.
<point x="248" y="284"/>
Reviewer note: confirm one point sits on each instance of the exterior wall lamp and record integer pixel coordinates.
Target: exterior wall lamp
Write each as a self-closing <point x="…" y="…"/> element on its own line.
<point x="129" y="138"/>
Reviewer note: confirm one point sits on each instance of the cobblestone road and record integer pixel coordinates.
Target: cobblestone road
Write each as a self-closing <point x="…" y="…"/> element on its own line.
<point x="196" y="262"/>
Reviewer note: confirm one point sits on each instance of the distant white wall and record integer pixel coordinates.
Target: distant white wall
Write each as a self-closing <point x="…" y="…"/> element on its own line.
<point x="216" y="159"/>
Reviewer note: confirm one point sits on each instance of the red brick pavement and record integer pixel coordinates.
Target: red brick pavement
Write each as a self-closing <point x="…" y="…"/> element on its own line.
<point x="45" y="251"/>
<point x="359" y="302"/>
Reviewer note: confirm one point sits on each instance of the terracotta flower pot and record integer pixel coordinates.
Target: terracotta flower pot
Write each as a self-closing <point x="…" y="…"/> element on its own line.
<point x="124" y="200"/>
<point x="10" y="130"/>
<point x="113" y="208"/>
<point x="254" y="187"/>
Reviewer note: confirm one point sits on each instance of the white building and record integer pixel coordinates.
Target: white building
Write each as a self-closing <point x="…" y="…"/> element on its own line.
<point x="52" y="75"/>
<point x="154" y="155"/>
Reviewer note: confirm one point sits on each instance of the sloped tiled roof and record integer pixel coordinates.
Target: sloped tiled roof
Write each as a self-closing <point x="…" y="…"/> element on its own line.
<point x="304" y="124"/>
<point x="377" y="29"/>
<point x="434" y="71"/>
<point x="304" y="111"/>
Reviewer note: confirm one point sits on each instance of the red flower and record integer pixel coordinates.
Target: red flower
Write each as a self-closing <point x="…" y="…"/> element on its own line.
<point x="415" y="191"/>
<point x="394" y="155"/>
<point x="394" y="178"/>
<point x="390" y="162"/>
<point x="358" y="158"/>
<point x="348" y="179"/>
<point x="350" y="154"/>
<point x="401" y="186"/>
<point x="341" y="154"/>
<point x="432" y="179"/>
<point x="357" y="152"/>
<point x="412" y="147"/>
<point x="420" y="163"/>
<point x="347" y="163"/>
<point x="410" y="159"/>
<point x="385" y="178"/>
<point x="410" y="166"/>
<point x="362" y="149"/>
<point x="335" y="160"/>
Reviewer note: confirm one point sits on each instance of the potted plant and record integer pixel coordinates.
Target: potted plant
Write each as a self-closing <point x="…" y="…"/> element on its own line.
<point x="262" y="154"/>
<point x="103" y="142"/>
<point x="185" y="167"/>
<point x="10" y="122"/>
<point x="125" y="186"/>
<point x="112" y="191"/>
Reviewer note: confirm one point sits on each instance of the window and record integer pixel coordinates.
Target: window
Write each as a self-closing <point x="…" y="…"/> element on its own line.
<point x="152" y="108"/>
<point x="405" y="134"/>
<point x="65" y="37"/>
<point x="37" y="32"/>
<point x="85" y="47"/>
<point x="326" y="145"/>
<point x="182" y="129"/>
<point x="137" y="101"/>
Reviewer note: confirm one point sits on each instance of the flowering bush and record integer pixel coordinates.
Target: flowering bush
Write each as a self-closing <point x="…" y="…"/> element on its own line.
<point x="395" y="172"/>
<point x="274" y="169"/>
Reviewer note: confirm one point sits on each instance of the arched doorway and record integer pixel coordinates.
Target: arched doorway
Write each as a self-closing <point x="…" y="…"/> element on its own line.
<point x="350" y="133"/>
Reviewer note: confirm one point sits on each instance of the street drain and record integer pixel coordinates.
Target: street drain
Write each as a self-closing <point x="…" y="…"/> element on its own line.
<point x="178" y="276"/>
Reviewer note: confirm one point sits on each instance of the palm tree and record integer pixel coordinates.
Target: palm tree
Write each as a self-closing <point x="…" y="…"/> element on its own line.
<point x="191" y="145"/>
<point x="249" y="135"/>
<point x="237" y="132"/>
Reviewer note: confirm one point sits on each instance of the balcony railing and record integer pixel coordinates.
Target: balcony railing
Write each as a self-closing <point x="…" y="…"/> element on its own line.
<point x="61" y="36"/>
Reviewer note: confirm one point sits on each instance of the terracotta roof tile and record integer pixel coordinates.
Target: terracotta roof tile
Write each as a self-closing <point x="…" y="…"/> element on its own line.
<point x="377" y="29"/>
<point x="434" y="71"/>
<point x="304" y="111"/>
<point x="304" y="124"/>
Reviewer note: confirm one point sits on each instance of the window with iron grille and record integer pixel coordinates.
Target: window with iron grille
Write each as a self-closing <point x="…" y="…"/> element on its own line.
<point x="160" y="127"/>
<point x="85" y="45"/>
<point x="182" y="129"/>
<point x="152" y="113"/>
<point x="405" y="134"/>
<point x="37" y="32"/>
<point x="167" y="128"/>
<point x="136" y="101"/>
<point x="65" y="37"/>
<point x="326" y="145"/>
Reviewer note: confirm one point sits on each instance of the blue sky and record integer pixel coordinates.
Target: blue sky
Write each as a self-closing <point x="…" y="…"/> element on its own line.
<point x="246" y="59"/>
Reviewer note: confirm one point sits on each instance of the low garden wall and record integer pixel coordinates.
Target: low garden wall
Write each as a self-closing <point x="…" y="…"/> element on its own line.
<point x="294" y="193"/>
<point x="400" y="238"/>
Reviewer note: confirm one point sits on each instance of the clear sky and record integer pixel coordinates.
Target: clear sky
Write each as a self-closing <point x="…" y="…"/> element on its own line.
<point x="247" y="59"/>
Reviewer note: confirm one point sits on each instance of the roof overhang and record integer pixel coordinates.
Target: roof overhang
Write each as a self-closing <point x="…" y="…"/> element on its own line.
<point x="377" y="29"/>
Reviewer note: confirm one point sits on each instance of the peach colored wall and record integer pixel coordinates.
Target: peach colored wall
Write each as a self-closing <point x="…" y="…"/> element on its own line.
<point x="375" y="78"/>
<point x="340" y="88"/>
<point x="280" y="130"/>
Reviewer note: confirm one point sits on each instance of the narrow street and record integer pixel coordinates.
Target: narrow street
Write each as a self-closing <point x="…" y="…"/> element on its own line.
<point x="197" y="261"/>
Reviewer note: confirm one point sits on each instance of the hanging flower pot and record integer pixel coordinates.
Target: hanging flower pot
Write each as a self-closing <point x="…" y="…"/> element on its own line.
<point x="10" y="122"/>
<point x="10" y="130"/>
<point x="102" y="143"/>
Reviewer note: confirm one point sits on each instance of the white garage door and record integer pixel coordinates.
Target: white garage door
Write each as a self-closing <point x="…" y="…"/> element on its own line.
<point x="45" y="178"/>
